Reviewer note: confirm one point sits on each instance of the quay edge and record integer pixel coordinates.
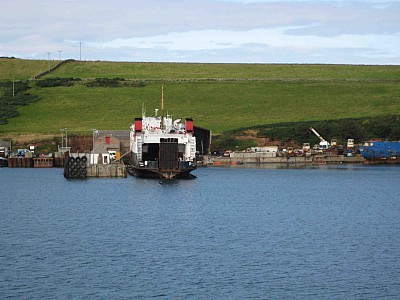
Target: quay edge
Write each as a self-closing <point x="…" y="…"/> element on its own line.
<point x="315" y="159"/>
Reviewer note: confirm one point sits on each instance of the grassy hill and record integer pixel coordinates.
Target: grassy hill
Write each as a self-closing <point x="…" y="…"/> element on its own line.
<point x="21" y="69"/>
<point x="225" y="71"/>
<point x="220" y="97"/>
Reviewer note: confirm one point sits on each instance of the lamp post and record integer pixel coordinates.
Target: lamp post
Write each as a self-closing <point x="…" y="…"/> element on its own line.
<point x="62" y="137"/>
<point x="94" y="131"/>
<point x="66" y="137"/>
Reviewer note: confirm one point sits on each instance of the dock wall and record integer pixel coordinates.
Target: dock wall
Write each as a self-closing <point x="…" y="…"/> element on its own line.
<point x="313" y="159"/>
<point x="44" y="162"/>
<point x="20" y="162"/>
<point x="36" y="162"/>
<point x="109" y="171"/>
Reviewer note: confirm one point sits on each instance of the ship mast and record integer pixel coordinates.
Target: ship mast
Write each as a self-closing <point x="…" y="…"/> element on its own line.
<point x="162" y="105"/>
<point x="162" y="99"/>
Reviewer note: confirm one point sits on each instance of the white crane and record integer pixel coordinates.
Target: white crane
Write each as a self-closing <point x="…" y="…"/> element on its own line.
<point x="323" y="144"/>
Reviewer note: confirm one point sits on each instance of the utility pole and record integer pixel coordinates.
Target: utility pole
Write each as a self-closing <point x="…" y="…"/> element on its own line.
<point x="80" y="50"/>
<point x="59" y="55"/>
<point x="48" y="59"/>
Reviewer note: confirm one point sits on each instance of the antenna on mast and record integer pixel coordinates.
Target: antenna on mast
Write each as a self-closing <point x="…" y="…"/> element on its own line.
<point x="162" y="98"/>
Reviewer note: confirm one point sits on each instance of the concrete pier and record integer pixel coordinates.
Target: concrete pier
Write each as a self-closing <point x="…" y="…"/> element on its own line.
<point x="313" y="159"/>
<point x="43" y="162"/>
<point x="113" y="170"/>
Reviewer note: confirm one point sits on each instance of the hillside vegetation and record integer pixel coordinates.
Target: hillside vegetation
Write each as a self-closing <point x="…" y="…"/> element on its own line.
<point x="22" y="69"/>
<point x="221" y="97"/>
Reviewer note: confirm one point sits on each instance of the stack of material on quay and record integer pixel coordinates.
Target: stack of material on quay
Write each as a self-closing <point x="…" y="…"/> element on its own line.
<point x="258" y="155"/>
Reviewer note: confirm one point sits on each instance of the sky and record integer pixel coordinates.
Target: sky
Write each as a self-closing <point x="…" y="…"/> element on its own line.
<point x="204" y="31"/>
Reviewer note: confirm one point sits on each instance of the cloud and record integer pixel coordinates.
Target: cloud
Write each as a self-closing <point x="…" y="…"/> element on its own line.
<point x="251" y="41"/>
<point x="193" y="30"/>
<point x="224" y="39"/>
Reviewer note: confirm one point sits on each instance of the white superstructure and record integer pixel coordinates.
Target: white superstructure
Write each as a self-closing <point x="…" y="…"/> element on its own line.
<point x="160" y="145"/>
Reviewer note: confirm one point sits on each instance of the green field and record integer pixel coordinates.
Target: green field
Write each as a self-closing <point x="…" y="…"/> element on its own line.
<point x="224" y="71"/>
<point x="21" y="69"/>
<point x="220" y="97"/>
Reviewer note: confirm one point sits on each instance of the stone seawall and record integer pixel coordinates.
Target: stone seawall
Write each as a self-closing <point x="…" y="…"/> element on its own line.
<point x="313" y="159"/>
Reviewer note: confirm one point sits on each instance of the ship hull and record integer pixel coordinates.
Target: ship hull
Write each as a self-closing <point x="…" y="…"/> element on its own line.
<point x="160" y="168"/>
<point x="3" y="162"/>
<point x="381" y="151"/>
<point x="159" y="173"/>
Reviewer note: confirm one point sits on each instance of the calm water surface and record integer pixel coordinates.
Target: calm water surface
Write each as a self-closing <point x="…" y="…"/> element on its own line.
<point x="329" y="232"/>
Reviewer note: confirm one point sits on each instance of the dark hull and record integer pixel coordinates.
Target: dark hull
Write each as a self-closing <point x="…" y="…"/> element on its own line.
<point x="3" y="162"/>
<point x="164" y="163"/>
<point x="159" y="173"/>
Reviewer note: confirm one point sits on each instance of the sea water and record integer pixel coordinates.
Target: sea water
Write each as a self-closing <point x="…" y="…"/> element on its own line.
<point x="327" y="232"/>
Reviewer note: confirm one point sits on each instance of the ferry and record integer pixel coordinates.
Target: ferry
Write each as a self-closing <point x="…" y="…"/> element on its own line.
<point x="161" y="147"/>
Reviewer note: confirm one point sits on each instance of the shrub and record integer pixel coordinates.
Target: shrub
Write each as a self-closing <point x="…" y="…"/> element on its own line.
<point x="53" y="82"/>
<point x="9" y="104"/>
<point x="114" y="82"/>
